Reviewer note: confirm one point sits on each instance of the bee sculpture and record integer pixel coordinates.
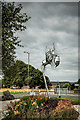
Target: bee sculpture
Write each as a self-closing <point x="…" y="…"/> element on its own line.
<point x="52" y="59"/>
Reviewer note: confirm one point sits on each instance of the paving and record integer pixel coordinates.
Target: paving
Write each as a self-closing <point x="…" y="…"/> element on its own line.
<point x="77" y="108"/>
<point x="3" y="106"/>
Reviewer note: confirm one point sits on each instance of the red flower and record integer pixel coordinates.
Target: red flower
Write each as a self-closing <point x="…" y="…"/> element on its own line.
<point x="7" y="105"/>
<point x="56" y="113"/>
<point x="21" y="98"/>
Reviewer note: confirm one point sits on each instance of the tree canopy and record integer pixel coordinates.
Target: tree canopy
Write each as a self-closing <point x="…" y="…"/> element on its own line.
<point x="12" y="21"/>
<point x="78" y="81"/>
<point x="18" y="75"/>
<point x="66" y="85"/>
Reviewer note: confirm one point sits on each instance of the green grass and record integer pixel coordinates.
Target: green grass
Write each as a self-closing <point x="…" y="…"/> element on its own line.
<point x="13" y="92"/>
<point x="17" y="92"/>
<point x="74" y="101"/>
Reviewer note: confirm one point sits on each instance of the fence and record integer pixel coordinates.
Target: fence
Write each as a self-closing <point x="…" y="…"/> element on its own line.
<point x="62" y="90"/>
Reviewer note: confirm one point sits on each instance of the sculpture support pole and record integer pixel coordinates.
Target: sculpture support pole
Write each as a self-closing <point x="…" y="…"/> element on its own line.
<point x="45" y="83"/>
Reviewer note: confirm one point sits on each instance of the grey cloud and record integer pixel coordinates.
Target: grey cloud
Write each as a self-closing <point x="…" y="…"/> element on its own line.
<point x="53" y="8"/>
<point x="51" y="22"/>
<point x="42" y="1"/>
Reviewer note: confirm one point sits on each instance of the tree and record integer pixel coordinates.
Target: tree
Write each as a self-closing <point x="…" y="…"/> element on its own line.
<point x="12" y="21"/>
<point x="17" y="75"/>
<point x="78" y="81"/>
<point x="66" y="85"/>
<point x="0" y="39"/>
<point x="57" y="86"/>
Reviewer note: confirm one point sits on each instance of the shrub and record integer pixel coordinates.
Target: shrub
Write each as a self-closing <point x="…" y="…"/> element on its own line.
<point x="26" y="106"/>
<point x="64" y="110"/>
<point x="76" y="90"/>
<point x="40" y="106"/>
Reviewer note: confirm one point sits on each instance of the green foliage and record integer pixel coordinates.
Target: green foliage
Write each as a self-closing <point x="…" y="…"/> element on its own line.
<point x="33" y="107"/>
<point x="76" y="90"/>
<point x="74" y="101"/>
<point x="78" y="81"/>
<point x="64" y="110"/>
<point x="7" y="81"/>
<point x="38" y="99"/>
<point x="26" y="107"/>
<point x="66" y="85"/>
<point x="18" y="75"/>
<point x="57" y="86"/>
<point x="0" y="83"/>
<point x="12" y="21"/>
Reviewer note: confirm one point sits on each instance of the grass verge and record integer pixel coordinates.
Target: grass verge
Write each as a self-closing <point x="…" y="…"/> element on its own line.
<point x="74" y="101"/>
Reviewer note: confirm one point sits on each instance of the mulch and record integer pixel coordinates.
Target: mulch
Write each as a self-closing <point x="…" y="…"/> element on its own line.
<point x="50" y="104"/>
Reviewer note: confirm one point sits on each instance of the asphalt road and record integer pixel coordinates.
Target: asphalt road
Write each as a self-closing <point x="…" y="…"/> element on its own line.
<point x="51" y="95"/>
<point x="17" y="95"/>
<point x="67" y="96"/>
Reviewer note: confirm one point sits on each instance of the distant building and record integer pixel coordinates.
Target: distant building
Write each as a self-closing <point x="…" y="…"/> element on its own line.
<point x="53" y="84"/>
<point x="36" y="87"/>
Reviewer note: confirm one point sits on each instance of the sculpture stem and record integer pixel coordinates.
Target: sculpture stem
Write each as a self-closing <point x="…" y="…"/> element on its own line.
<point x="45" y="84"/>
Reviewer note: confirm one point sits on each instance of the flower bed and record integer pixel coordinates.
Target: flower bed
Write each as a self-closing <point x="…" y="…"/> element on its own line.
<point x="40" y="106"/>
<point x="64" y="110"/>
<point x="21" y="90"/>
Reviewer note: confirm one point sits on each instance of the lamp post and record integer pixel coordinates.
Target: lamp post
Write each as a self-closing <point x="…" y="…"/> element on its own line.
<point x="59" y="91"/>
<point x="28" y="69"/>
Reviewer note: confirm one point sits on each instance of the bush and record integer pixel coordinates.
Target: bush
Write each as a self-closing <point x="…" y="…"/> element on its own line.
<point x="74" y="101"/>
<point x="40" y="106"/>
<point x="76" y="90"/>
<point x="26" y="107"/>
<point x="64" y="110"/>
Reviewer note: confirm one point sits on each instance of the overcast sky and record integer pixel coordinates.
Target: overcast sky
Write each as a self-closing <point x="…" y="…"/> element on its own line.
<point x="51" y="22"/>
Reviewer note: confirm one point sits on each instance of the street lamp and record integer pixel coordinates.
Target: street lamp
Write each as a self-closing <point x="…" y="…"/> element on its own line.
<point x="59" y="91"/>
<point x="28" y="68"/>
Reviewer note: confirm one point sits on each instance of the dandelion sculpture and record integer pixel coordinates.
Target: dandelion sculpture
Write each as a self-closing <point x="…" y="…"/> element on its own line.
<point x="51" y="58"/>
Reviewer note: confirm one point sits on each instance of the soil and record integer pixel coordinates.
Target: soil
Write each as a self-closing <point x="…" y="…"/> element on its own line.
<point x="50" y="105"/>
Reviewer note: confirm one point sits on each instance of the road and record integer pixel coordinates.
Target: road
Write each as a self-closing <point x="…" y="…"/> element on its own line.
<point x="51" y="95"/>
<point x="66" y="96"/>
<point x="17" y="95"/>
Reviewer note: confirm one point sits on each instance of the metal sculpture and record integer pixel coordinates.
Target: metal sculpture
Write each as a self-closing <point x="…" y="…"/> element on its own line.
<point x="51" y="58"/>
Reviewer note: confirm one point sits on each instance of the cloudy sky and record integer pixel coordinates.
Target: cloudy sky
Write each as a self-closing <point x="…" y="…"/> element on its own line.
<point x="51" y="22"/>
